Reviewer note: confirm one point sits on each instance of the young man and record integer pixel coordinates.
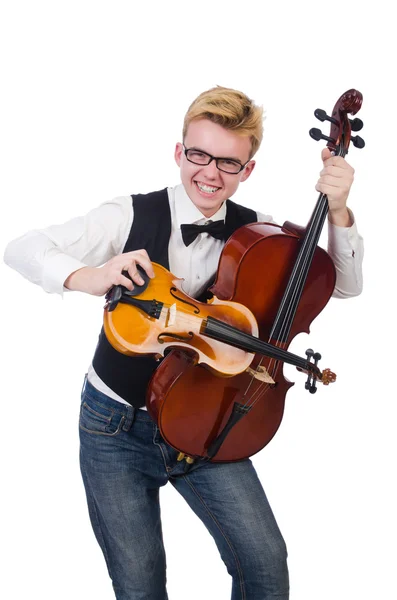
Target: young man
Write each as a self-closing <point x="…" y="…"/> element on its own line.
<point x="124" y="460"/>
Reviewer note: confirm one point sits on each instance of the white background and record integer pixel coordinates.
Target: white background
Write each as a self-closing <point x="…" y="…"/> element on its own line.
<point x="93" y="99"/>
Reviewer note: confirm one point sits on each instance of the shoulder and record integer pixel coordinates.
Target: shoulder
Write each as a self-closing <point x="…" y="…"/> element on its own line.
<point x="159" y="196"/>
<point x="119" y="204"/>
<point x="243" y="210"/>
<point x="234" y="210"/>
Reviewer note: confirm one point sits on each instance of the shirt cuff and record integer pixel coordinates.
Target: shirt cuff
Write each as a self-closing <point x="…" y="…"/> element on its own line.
<point x="56" y="270"/>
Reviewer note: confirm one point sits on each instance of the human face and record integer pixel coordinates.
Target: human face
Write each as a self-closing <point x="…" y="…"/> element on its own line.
<point x="207" y="186"/>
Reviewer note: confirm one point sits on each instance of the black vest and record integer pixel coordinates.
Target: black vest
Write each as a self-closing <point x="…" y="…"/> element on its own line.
<point x="128" y="376"/>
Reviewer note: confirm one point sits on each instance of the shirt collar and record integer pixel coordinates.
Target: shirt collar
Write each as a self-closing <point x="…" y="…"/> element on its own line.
<point x="187" y="212"/>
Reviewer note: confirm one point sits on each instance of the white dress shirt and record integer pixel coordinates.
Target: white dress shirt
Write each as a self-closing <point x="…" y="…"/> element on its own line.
<point x="48" y="256"/>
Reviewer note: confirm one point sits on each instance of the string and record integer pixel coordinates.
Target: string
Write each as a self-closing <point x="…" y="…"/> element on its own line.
<point x="195" y="322"/>
<point x="299" y="274"/>
<point x="290" y="299"/>
<point x="305" y="257"/>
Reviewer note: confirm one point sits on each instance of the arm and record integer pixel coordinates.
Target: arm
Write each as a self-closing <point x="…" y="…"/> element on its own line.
<point x="345" y="245"/>
<point x="67" y="255"/>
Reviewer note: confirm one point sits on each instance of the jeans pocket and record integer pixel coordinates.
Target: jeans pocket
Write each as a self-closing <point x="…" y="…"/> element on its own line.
<point x="99" y="420"/>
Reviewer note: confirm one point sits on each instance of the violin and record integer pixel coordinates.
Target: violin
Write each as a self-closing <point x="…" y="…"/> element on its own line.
<point x="219" y="393"/>
<point x="223" y="334"/>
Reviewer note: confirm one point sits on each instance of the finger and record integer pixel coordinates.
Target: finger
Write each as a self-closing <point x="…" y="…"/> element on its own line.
<point x="325" y="154"/>
<point x="143" y="252"/>
<point x="337" y="161"/>
<point x="334" y="181"/>
<point x="146" y="264"/>
<point x="333" y="171"/>
<point x="324" y="188"/>
<point x="134" y="253"/>
<point x="134" y="274"/>
<point x="125" y="281"/>
<point x="142" y="258"/>
<point x="334" y="193"/>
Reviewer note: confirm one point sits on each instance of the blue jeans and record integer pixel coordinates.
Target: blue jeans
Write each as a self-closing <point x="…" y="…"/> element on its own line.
<point x="125" y="461"/>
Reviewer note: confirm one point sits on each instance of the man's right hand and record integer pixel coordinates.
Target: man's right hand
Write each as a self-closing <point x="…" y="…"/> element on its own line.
<point x="98" y="280"/>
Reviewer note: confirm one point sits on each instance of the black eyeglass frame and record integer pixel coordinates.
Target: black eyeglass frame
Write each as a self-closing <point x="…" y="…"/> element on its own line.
<point x="215" y="158"/>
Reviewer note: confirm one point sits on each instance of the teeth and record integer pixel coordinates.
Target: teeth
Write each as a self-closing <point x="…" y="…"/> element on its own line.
<point x="206" y="188"/>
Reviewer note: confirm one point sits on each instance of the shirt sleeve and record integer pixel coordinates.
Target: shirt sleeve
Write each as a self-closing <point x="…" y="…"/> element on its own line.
<point x="346" y="248"/>
<point x="262" y="218"/>
<point x="48" y="256"/>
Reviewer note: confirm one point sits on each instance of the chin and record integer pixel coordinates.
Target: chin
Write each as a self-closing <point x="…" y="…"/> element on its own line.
<point x="204" y="202"/>
<point x="206" y="205"/>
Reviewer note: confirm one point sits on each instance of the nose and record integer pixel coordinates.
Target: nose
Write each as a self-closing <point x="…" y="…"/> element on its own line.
<point x="211" y="170"/>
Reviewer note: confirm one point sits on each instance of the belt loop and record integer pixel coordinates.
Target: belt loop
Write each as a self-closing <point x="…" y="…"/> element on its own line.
<point x="131" y="410"/>
<point x="84" y="384"/>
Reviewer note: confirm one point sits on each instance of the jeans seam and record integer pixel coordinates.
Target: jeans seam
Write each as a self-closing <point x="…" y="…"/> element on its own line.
<point x="161" y="448"/>
<point x="93" y="504"/>
<point x="94" y="412"/>
<point x="113" y="410"/>
<point x="234" y="553"/>
<point x="104" y="433"/>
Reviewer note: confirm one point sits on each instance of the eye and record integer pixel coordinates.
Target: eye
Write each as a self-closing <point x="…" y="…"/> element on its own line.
<point x="197" y="154"/>
<point x="229" y="163"/>
<point x="198" y="157"/>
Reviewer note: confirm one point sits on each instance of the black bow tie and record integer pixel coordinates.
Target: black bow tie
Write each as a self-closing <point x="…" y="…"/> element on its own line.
<point x="190" y="232"/>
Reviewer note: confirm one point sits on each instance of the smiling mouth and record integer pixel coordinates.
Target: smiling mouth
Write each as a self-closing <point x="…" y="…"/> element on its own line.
<point x="207" y="189"/>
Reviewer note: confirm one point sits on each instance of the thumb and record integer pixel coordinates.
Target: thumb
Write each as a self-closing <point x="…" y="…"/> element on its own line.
<point x="325" y="154"/>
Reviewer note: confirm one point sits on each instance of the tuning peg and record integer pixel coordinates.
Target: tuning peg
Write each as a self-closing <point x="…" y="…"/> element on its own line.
<point x="317" y="135"/>
<point x="322" y="116"/>
<point x="356" y="124"/>
<point x="311" y="381"/>
<point x="357" y="141"/>
<point x="310" y="385"/>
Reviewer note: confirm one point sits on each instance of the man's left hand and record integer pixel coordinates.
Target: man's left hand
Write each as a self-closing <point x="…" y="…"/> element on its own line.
<point x="336" y="179"/>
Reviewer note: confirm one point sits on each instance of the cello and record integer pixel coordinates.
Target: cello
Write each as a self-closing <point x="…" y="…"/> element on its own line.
<point x="223" y="403"/>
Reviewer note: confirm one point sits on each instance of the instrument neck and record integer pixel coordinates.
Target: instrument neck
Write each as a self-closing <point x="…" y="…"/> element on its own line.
<point x="290" y="301"/>
<point x="234" y="337"/>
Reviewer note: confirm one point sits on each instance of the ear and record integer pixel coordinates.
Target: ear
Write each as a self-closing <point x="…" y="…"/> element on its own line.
<point x="247" y="170"/>
<point x="178" y="153"/>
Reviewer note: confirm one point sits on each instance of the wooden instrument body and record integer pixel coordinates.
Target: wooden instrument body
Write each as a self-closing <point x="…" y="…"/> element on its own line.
<point x="190" y="403"/>
<point x="133" y="332"/>
<point x="211" y="409"/>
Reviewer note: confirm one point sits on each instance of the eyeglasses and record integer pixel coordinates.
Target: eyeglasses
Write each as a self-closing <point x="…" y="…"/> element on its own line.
<point x="227" y="165"/>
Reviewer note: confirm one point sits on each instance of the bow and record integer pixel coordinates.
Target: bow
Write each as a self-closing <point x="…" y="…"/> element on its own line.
<point x="191" y="231"/>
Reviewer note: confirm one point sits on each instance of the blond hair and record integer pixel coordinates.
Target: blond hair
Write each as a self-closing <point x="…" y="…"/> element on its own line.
<point x="232" y="110"/>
